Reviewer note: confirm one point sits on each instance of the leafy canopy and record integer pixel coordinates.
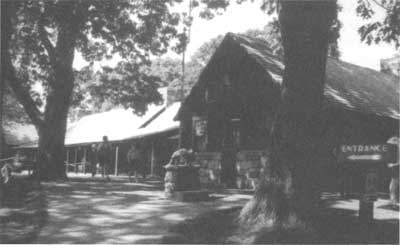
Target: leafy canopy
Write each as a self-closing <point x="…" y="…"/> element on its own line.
<point x="386" y="30"/>
<point x="133" y="30"/>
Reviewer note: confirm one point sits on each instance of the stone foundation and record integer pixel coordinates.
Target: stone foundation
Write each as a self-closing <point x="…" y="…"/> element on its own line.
<point x="250" y="167"/>
<point x="210" y="169"/>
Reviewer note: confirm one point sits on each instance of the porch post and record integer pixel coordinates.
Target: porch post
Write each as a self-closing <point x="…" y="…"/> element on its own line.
<point x="84" y="162"/>
<point x="67" y="162"/>
<point x="116" y="160"/>
<point x="152" y="161"/>
<point x="34" y="160"/>
<point x="76" y="160"/>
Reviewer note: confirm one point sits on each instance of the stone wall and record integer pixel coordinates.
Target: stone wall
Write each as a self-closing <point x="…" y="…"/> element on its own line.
<point x="249" y="166"/>
<point x="210" y="169"/>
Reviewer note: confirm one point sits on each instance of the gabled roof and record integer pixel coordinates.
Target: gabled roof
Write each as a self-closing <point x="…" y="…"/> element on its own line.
<point x="117" y="124"/>
<point x="164" y="122"/>
<point x="120" y="125"/>
<point x="347" y="86"/>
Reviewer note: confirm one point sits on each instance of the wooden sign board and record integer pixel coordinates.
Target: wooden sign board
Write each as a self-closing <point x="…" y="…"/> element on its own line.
<point x="366" y="153"/>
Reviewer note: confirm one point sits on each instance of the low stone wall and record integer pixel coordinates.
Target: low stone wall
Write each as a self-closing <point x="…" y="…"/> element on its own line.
<point x="210" y="169"/>
<point x="249" y="166"/>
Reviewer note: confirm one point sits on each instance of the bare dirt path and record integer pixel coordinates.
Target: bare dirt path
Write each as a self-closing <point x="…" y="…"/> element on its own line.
<point x="94" y="211"/>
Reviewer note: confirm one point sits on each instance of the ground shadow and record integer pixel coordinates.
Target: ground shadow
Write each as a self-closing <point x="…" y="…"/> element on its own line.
<point x="97" y="211"/>
<point x="22" y="210"/>
<point x="334" y="225"/>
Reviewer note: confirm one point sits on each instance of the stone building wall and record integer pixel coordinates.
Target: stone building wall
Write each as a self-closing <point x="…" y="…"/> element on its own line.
<point x="249" y="166"/>
<point x="210" y="169"/>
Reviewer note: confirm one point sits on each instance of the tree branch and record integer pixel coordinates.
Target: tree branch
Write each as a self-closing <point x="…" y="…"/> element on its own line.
<point x="23" y="97"/>
<point x="7" y="69"/>
<point x="381" y="5"/>
<point x="43" y="35"/>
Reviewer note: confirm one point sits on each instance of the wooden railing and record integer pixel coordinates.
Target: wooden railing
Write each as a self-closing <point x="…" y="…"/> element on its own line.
<point x="76" y="165"/>
<point x="6" y="159"/>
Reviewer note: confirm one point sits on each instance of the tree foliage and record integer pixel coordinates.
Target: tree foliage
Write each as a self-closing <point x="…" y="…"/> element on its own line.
<point x="386" y="29"/>
<point x="131" y="29"/>
<point x="13" y="111"/>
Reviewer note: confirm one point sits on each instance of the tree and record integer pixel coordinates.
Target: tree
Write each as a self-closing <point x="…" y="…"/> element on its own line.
<point x="40" y="38"/>
<point x="386" y="30"/>
<point x="12" y="109"/>
<point x="102" y="90"/>
<point x="168" y="70"/>
<point x="11" y="112"/>
<point x="290" y="195"/>
<point x="2" y="144"/>
<point x="271" y="33"/>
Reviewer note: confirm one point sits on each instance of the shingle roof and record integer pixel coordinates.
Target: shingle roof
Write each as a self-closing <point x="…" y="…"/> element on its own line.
<point x="348" y="86"/>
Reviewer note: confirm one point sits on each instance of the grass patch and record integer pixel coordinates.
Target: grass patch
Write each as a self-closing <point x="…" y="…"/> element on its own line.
<point x="22" y="210"/>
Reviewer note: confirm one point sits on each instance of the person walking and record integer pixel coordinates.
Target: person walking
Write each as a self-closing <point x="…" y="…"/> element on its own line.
<point x="92" y="157"/>
<point x="135" y="161"/>
<point x="394" y="173"/>
<point x="104" y="154"/>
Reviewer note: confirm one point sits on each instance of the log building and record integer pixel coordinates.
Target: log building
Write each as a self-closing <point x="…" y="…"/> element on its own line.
<point x="228" y="114"/>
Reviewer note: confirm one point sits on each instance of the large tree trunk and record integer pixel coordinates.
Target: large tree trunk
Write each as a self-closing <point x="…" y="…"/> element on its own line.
<point x="291" y="193"/>
<point x="51" y="125"/>
<point x="52" y="132"/>
<point x="2" y="138"/>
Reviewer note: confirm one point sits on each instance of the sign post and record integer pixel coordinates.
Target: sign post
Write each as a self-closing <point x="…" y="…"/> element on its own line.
<point x="369" y="155"/>
<point x="366" y="212"/>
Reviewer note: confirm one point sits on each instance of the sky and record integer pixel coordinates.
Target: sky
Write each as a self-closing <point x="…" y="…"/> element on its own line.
<point x="239" y="18"/>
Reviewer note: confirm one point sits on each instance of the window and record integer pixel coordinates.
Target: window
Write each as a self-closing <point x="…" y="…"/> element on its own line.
<point x="210" y="93"/>
<point x="199" y="133"/>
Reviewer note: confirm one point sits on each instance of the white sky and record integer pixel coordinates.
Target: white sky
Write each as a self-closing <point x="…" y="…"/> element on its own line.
<point x="239" y="18"/>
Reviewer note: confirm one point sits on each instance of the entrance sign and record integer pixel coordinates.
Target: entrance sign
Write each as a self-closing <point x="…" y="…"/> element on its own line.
<point x="364" y="153"/>
<point x="369" y="155"/>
